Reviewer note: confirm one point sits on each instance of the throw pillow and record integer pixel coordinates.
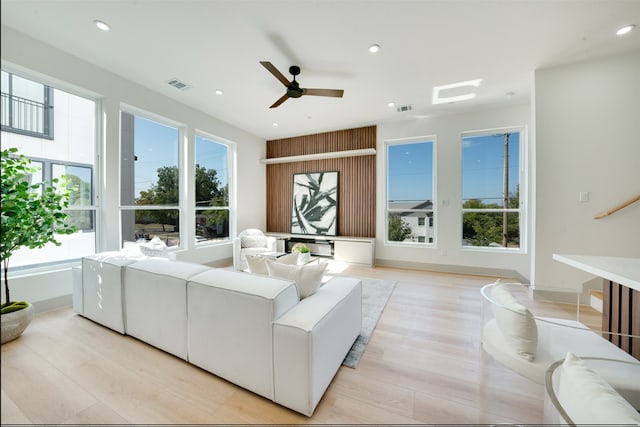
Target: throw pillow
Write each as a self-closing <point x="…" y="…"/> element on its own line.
<point x="588" y="399"/>
<point x="516" y="322"/>
<point x="307" y="278"/>
<point x="257" y="264"/>
<point x="289" y="259"/>
<point x="253" y="241"/>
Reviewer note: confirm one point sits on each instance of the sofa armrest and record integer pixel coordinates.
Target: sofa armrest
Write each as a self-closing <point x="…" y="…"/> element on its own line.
<point x="312" y="339"/>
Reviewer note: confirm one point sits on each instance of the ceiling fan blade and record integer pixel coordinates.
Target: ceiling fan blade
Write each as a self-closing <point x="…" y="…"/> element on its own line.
<point x="337" y="93"/>
<point x="273" y="70"/>
<point x="280" y="101"/>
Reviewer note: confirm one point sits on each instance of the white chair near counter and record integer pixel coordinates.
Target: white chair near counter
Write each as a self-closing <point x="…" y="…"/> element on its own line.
<point x="251" y="242"/>
<point x="528" y="344"/>
<point x="592" y="390"/>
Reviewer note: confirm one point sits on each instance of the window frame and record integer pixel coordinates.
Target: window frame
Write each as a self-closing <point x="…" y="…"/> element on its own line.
<point x="230" y="146"/>
<point x="180" y="206"/>
<point x="522" y="130"/>
<point x="430" y="240"/>
<point x="47" y="107"/>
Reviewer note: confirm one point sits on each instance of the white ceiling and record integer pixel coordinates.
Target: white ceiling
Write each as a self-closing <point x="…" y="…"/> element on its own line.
<point x="216" y="44"/>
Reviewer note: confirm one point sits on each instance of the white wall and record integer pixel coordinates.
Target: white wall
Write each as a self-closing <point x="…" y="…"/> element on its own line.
<point x="587" y="140"/>
<point x="449" y="254"/>
<point x="42" y="62"/>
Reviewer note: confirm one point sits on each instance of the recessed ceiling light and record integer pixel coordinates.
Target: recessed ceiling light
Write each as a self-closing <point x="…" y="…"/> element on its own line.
<point x="219" y="92"/>
<point x="391" y="104"/>
<point x="275" y="124"/>
<point x="374" y="48"/>
<point x="624" y="30"/>
<point x="102" y="25"/>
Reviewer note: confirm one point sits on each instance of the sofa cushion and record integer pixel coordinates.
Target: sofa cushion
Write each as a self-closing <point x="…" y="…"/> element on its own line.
<point x="588" y="399"/>
<point x="516" y="323"/>
<point x="307" y="278"/>
<point x="230" y="325"/>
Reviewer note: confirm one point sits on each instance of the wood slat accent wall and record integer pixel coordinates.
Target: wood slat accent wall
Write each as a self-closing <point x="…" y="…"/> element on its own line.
<point x="621" y="314"/>
<point x="356" y="179"/>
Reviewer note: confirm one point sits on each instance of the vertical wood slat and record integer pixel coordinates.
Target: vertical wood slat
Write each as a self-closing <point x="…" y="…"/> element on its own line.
<point x="621" y="314"/>
<point x="625" y="318"/>
<point x="635" y="323"/>
<point x="614" y="315"/>
<point x="356" y="179"/>
<point x="606" y="308"/>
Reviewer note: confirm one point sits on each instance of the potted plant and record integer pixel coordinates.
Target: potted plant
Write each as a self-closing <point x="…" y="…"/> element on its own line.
<point x="32" y="216"/>
<point x="304" y="253"/>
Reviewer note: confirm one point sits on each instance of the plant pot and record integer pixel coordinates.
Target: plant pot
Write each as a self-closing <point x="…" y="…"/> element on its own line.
<point x="303" y="257"/>
<point x="13" y="324"/>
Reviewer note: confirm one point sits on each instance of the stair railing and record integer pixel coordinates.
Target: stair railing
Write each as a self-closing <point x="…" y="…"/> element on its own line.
<point x="617" y="208"/>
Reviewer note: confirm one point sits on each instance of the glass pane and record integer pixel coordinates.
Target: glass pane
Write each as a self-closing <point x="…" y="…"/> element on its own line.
<point x="212" y="225"/>
<point x="84" y="220"/>
<point x="410" y="172"/>
<point x="79" y="183"/>
<point x="147" y="224"/>
<point x="27" y="89"/>
<point x="149" y="158"/>
<point x="212" y="173"/>
<point x="486" y="229"/>
<point x="411" y="227"/>
<point x="410" y="188"/>
<point x="483" y="167"/>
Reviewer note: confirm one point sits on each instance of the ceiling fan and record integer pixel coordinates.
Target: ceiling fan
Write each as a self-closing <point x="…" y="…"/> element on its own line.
<point x="293" y="87"/>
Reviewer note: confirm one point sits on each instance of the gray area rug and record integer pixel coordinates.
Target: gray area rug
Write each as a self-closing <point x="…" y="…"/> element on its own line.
<point x="375" y="294"/>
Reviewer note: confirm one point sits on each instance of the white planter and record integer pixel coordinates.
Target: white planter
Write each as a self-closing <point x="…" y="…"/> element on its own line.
<point x="13" y="324"/>
<point x="304" y="257"/>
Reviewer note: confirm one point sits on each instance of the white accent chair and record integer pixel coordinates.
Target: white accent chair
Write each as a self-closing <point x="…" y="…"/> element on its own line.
<point x="529" y="344"/>
<point x="250" y="242"/>
<point x="592" y="390"/>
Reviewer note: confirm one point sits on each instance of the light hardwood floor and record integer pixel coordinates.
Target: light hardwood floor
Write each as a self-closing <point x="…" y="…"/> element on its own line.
<point x="424" y="364"/>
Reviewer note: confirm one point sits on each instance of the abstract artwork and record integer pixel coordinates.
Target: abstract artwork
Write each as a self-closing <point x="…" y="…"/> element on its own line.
<point x="315" y="203"/>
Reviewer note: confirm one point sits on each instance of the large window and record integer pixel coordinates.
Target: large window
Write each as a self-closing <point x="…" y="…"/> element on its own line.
<point x="410" y="184"/>
<point x="27" y="124"/>
<point x="212" y="189"/>
<point x="27" y="106"/>
<point x="491" y="175"/>
<point x="150" y="180"/>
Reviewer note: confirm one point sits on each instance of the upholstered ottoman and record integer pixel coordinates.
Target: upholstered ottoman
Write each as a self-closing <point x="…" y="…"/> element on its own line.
<point x="156" y="302"/>
<point x="102" y="288"/>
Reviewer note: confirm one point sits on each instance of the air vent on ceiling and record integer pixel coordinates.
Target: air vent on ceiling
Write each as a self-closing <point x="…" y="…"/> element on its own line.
<point x="178" y="84"/>
<point x="403" y="108"/>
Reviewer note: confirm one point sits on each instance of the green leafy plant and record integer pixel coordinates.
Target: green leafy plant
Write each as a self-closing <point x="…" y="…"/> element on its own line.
<point x="301" y="247"/>
<point x="32" y="214"/>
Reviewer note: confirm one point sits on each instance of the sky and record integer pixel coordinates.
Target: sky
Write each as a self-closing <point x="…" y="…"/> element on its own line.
<point x="156" y="145"/>
<point x="410" y="168"/>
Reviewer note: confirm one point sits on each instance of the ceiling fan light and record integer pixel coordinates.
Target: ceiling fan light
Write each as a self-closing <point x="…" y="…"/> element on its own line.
<point x="624" y="30"/>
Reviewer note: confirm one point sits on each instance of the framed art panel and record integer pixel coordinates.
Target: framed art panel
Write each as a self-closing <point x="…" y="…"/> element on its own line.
<point x="315" y="203"/>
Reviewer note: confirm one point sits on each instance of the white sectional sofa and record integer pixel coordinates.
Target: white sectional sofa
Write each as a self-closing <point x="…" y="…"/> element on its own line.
<point x="251" y="330"/>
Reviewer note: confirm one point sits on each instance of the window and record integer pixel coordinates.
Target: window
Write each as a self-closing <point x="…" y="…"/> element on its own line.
<point x="150" y="180"/>
<point x="29" y="126"/>
<point x="491" y="205"/>
<point x="410" y="184"/>
<point x="27" y="106"/>
<point x="212" y="189"/>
